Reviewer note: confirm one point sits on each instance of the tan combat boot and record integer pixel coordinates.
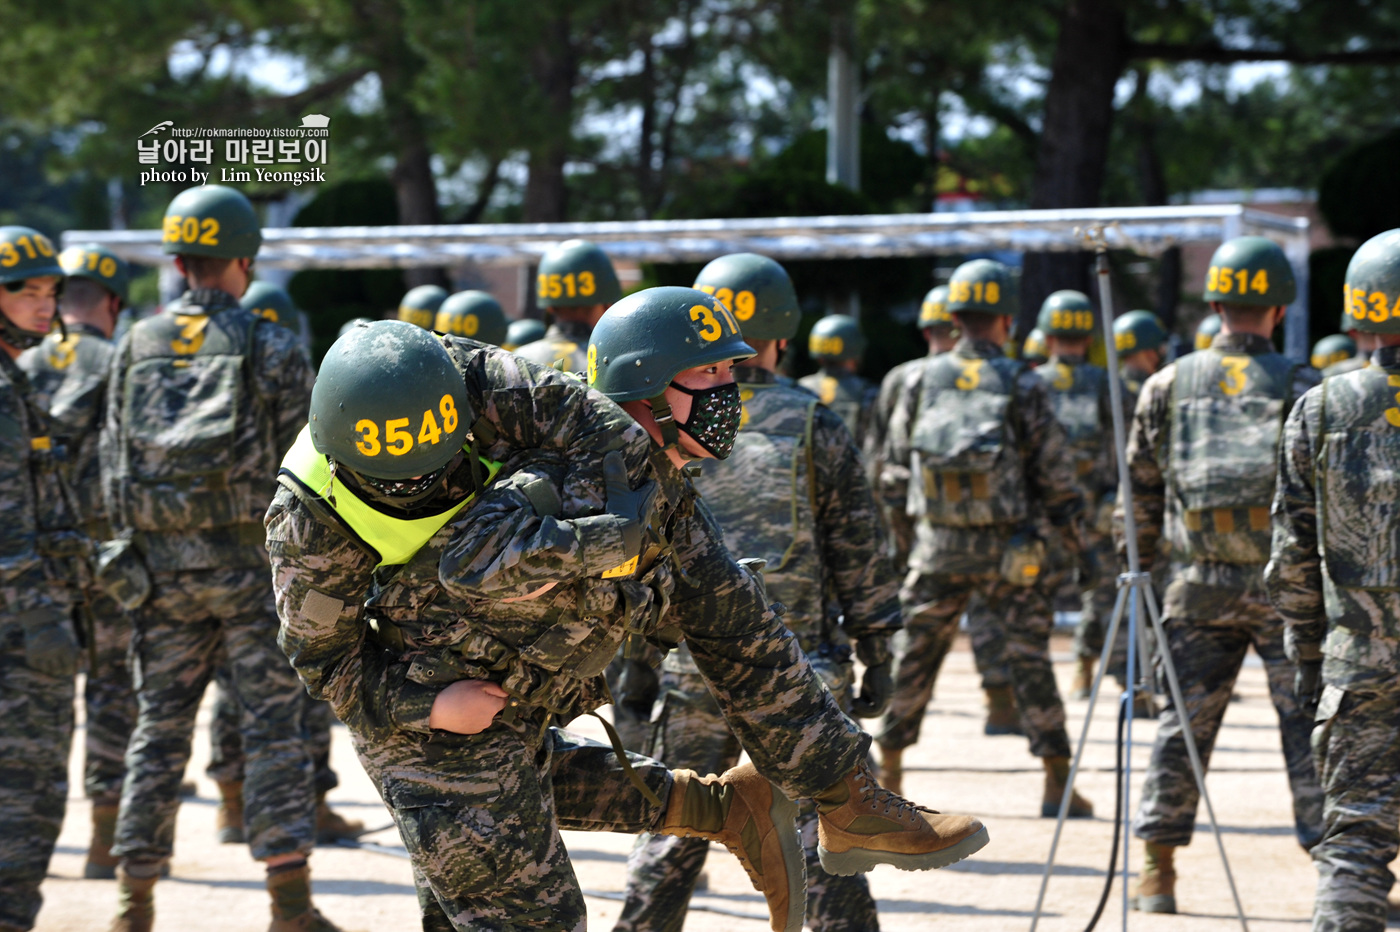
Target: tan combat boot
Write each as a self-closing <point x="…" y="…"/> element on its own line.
<point x="332" y="827"/>
<point x="1056" y="775"/>
<point x="291" y="903"/>
<point x="892" y="769"/>
<point x="136" y="904"/>
<point x="1083" y="683"/>
<point x="741" y="810"/>
<point x="228" y="821"/>
<point x="861" y="824"/>
<point x="1003" y="718"/>
<point x="101" y="865"/>
<point x="1156" y="892"/>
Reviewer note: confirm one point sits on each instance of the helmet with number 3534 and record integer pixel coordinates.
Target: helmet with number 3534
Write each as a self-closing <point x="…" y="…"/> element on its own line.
<point x="576" y="273"/>
<point x="757" y="291"/>
<point x="211" y="220"/>
<point x="1372" y="290"/>
<point x="982" y="286"/>
<point x="389" y="402"/>
<point x="1250" y="270"/>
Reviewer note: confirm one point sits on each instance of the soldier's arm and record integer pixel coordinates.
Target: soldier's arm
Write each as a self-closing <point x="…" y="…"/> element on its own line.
<point x="285" y="378"/>
<point x="110" y="441"/>
<point x="24" y="587"/>
<point x="892" y="483"/>
<point x="849" y="532"/>
<point x="1293" y="576"/>
<point x="1145" y="439"/>
<point x="1049" y="468"/>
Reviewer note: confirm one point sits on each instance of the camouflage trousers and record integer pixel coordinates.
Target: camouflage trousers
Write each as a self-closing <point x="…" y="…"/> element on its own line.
<point x="933" y="602"/>
<point x="36" y="730"/>
<point x="193" y="622"/>
<point x="1208" y="631"/>
<point x="481" y="814"/>
<point x="1357" y="752"/>
<point x="986" y="638"/>
<point x="226" y="760"/>
<point x="108" y="697"/>
<point x="689" y="730"/>
<point x="1096" y="608"/>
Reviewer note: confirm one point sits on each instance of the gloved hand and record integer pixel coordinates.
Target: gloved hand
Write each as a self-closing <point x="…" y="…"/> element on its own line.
<point x="623" y="501"/>
<point x="1307" y="685"/>
<point x="50" y="644"/>
<point x="877" y="685"/>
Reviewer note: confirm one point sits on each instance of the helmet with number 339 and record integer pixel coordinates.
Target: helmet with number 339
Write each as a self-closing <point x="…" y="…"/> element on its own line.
<point x="757" y="290"/>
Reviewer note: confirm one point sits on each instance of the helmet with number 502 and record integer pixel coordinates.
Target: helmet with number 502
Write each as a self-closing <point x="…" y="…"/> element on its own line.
<point x="211" y="220"/>
<point x="757" y="291"/>
<point x="389" y="402"/>
<point x="1372" y="289"/>
<point x="576" y="273"/>
<point x="1250" y="270"/>
<point x="982" y="286"/>
<point x="473" y="314"/>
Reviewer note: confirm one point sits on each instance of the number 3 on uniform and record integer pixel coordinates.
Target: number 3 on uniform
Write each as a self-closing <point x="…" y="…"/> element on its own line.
<point x="397" y="440"/>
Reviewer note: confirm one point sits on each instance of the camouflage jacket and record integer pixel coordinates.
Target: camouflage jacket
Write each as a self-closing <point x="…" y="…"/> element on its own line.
<point x="794" y="494"/>
<point x="1187" y="487"/>
<point x="896" y="383"/>
<point x="1079" y="394"/>
<point x="69" y="377"/>
<point x="1333" y="574"/>
<point x="1039" y="443"/>
<point x="564" y="346"/>
<point x="1346" y="365"/>
<point x="1132" y="382"/>
<point x="41" y="546"/>
<point x="205" y="399"/>
<point x="850" y="396"/>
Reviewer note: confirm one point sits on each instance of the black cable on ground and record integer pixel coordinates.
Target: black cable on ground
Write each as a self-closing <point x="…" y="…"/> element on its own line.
<point x="1124" y="704"/>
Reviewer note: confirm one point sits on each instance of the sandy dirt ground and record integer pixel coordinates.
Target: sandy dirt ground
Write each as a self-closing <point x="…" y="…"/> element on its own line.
<point x="218" y="888"/>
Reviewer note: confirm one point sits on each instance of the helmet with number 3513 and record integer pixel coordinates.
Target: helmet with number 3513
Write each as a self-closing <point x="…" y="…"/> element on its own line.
<point x="1372" y="290"/>
<point x="982" y="286"/>
<point x="211" y="220"/>
<point x="1250" y="270"/>
<point x="389" y="402"/>
<point x="757" y="291"/>
<point x="576" y="273"/>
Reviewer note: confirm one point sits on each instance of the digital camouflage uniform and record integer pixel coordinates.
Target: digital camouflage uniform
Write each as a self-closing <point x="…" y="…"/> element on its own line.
<point x="226" y="760"/>
<point x="69" y="377"/>
<point x="1005" y="430"/>
<point x="850" y="396"/>
<point x="1346" y="365"/>
<point x="39" y="586"/>
<point x="481" y="814"/>
<point x="794" y="494"/>
<point x="564" y="346"/>
<point x="1201" y="458"/>
<point x="205" y="398"/>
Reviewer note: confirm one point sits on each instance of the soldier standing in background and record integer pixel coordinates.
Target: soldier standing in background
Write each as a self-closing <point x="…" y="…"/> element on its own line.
<point x="1333" y="576"/>
<point x="1202" y="456"/>
<point x="69" y="376"/>
<point x="1336" y="349"/>
<point x="837" y="344"/>
<point x="521" y="332"/>
<point x="575" y="285"/>
<point x="1033" y="351"/>
<point x="793" y="493"/>
<point x="271" y="302"/>
<point x="39" y="649"/>
<point x="975" y="451"/>
<point x="1206" y="331"/>
<point x="420" y="305"/>
<point x="1141" y="341"/>
<point x="205" y="398"/>
<point x="475" y="315"/>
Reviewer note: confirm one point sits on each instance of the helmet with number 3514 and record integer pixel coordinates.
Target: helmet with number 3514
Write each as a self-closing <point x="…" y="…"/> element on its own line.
<point x="389" y="402"/>
<point x="211" y="220"/>
<point x="1372" y="291"/>
<point x="757" y="291"/>
<point x="982" y="286"/>
<point x="576" y="273"/>
<point x="1250" y="270"/>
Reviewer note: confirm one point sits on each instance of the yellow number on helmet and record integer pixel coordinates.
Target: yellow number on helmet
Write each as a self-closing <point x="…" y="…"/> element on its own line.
<point x="447" y="407"/>
<point x="710" y="330"/>
<point x="368" y="444"/>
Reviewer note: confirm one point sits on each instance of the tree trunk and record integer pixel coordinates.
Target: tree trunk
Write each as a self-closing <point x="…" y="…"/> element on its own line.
<point x="555" y="70"/>
<point x="1090" y="54"/>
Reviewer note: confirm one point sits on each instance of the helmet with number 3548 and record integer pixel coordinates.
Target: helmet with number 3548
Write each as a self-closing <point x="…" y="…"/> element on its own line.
<point x="1372" y="290"/>
<point x="576" y="273"/>
<point x="211" y="220"/>
<point x="389" y="402"/>
<point x="982" y="286"/>
<point x="1250" y="270"/>
<point x="757" y="291"/>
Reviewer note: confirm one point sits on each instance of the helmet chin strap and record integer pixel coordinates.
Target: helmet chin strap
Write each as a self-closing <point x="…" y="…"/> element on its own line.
<point x="23" y="339"/>
<point x="670" y="430"/>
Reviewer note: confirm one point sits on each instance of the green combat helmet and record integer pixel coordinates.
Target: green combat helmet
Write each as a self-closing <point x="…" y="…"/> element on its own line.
<point x="1372" y="289"/>
<point x="1138" y="330"/>
<point x="1066" y="313"/>
<point x="521" y="332"/>
<point x="1332" y="349"/>
<point x="270" y="303"/>
<point x="389" y="403"/>
<point x="981" y="286"/>
<point x="473" y="314"/>
<point x="1033" y="349"/>
<point x="99" y="264"/>
<point x="836" y="338"/>
<point x="576" y="273"/>
<point x="351" y="324"/>
<point x="1206" y="331"/>
<point x="757" y="291"/>
<point x="1250" y="270"/>
<point x="25" y="253"/>
<point x="420" y="305"/>
<point x="211" y="220"/>
<point x="933" y="312"/>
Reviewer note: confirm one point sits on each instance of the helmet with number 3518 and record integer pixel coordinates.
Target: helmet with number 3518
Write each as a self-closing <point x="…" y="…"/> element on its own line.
<point x="982" y="286"/>
<point x="211" y="220"/>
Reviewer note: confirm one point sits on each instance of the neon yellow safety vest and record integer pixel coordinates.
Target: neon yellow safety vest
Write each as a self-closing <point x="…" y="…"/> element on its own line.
<point x="396" y="540"/>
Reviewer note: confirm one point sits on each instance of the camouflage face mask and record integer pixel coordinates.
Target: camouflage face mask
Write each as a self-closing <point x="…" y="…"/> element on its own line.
<point x="715" y="414"/>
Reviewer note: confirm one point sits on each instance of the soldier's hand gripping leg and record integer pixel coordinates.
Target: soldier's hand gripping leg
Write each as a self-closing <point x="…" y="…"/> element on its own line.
<point x="741" y="810"/>
<point x="861" y="824"/>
